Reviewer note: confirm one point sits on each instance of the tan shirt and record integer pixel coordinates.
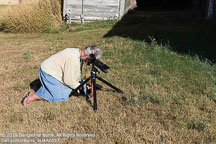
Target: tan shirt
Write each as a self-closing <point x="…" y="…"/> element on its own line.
<point x="64" y="66"/>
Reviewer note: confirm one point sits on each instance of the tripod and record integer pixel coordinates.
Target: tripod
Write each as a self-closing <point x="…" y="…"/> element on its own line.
<point x="93" y="77"/>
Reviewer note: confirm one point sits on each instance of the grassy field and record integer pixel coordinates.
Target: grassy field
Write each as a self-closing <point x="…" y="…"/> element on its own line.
<point x="168" y="97"/>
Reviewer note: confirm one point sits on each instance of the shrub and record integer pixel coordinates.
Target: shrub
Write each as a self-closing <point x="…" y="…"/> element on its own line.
<point x="31" y="17"/>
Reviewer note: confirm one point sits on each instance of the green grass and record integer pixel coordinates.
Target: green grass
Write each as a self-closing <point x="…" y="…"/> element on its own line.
<point x="169" y="97"/>
<point x="184" y="34"/>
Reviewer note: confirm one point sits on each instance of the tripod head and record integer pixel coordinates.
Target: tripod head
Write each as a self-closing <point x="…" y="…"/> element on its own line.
<point x="92" y="60"/>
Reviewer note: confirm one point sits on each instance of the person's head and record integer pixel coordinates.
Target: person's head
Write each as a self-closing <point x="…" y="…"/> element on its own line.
<point x="92" y="49"/>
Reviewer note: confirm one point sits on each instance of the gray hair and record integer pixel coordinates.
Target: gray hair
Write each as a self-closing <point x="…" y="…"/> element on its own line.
<point x="93" y="49"/>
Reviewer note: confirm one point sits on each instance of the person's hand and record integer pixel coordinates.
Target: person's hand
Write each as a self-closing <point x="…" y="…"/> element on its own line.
<point x="84" y="78"/>
<point x="89" y="87"/>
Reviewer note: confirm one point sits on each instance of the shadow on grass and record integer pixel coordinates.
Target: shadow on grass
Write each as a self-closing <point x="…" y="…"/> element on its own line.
<point x="35" y="85"/>
<point x="184" y="34"/>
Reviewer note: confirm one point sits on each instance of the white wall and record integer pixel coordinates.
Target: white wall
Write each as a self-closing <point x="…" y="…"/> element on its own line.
<point x="9" y="2"/>
<point x="94" y="9"/>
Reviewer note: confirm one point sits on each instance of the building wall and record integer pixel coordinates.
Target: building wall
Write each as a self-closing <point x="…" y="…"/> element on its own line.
<point x="214" y="8"/>
<point x="10" y="2"/>
<point x="94" y="9"/>
<point x="204" y="4"/>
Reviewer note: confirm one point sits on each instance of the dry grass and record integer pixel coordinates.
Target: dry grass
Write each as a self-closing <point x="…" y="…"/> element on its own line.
<point x="21" y="56"/>
<point x="34" y="16"/>
<point x="168" y="98"/>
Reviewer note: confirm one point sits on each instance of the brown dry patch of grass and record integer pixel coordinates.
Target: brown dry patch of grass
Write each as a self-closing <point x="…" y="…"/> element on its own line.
<point x="21" y="56"/>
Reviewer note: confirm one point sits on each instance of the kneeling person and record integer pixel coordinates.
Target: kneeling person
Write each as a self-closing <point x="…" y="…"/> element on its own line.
<point x="60" y="73"/>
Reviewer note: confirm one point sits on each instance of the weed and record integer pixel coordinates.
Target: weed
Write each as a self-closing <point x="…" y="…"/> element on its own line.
<point x="199" y="125"/>
<point x="39" y="118"/>
<point x="27" y="55"/>
<point x="6" y="67"/>
<point x="16" y="118"/>
<point x="49" y="116"/>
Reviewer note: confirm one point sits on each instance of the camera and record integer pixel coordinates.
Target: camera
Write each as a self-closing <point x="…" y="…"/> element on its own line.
<point x="91" y="59"/>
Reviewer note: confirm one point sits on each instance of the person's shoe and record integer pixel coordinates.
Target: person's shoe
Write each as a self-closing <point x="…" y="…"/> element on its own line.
<point x="25" y="97"/>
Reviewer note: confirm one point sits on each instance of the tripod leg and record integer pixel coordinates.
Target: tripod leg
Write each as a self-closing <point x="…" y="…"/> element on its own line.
<point x="94" y="92"/>
<point x="75" y="90"/>
<point x="109" y="84"/>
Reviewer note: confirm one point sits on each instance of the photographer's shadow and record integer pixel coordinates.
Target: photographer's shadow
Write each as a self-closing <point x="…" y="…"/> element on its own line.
<point x="35" y="85"/>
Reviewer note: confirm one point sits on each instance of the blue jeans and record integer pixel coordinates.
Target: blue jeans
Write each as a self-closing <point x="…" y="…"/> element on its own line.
<point x="52" y="89"/>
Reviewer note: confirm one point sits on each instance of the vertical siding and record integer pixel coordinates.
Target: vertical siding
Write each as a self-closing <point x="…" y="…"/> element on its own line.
<point x="94" y="9"/>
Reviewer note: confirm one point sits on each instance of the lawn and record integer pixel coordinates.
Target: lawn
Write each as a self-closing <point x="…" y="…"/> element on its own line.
<point x="169" y="96"/>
